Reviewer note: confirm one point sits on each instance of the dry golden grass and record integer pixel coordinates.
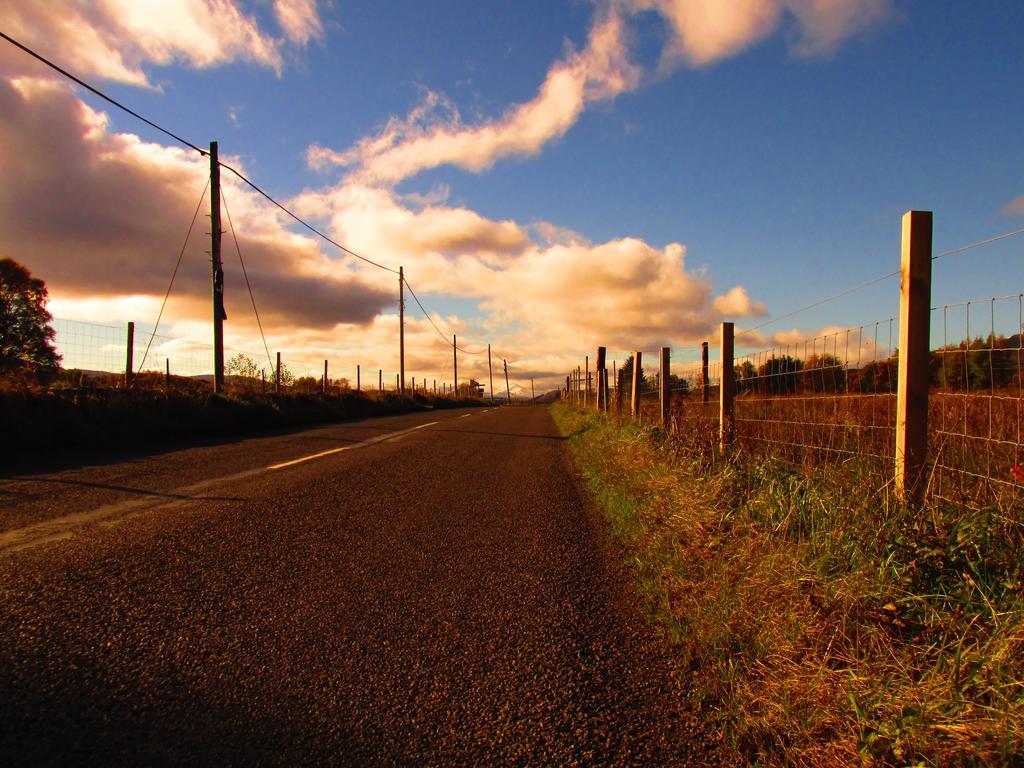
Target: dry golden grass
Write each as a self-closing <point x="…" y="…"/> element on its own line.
<point x="825" y="624"/>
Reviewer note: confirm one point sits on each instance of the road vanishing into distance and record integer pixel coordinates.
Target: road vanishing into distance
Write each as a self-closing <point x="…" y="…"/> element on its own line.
<point x="423" y="589"/>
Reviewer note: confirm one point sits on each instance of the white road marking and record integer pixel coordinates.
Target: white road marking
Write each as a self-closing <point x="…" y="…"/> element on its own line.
<point x="110" y="514"/>
<point x="361" y="444"/>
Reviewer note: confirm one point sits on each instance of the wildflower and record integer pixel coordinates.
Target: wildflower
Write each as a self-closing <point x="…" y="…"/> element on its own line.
<point x="1018" y="472"/>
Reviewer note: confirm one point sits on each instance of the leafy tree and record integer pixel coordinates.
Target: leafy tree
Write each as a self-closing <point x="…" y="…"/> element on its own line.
<point x="26" y="338"/>
<point x="242" y="365"/>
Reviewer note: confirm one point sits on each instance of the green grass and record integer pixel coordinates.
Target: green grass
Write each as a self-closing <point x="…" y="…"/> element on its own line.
<point x="825" y="623"/>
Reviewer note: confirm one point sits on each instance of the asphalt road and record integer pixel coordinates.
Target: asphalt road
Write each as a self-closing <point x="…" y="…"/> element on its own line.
<point x="432" y="589"/>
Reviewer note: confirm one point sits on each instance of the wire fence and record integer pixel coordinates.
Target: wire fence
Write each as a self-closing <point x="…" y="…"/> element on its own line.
<point x="97" y="355"/>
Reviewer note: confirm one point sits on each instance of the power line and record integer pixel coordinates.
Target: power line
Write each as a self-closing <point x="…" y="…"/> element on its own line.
<point x="304" y="223"/>
<point x="431" y="321"/>
<point x="100" y="93"/>
<point x="174" y="273"/>
<point x="190" y="145"/>
<point x="247" y="283"/>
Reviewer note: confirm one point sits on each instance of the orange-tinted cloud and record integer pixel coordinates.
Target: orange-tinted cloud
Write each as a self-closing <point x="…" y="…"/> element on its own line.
<point x="101" y="214"/>
<point x="114" y="39"/>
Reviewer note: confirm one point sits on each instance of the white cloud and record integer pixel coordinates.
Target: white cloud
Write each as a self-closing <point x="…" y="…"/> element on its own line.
<point x="736" y="303"/>
<point x="114" y="39"/>
<point x="299" y="19"/>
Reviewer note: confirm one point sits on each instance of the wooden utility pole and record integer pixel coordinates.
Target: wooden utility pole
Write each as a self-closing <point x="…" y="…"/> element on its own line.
<point x="726" y="404"/>
<point x="359" y="387"/>
<point x="490" y="371"/>
<point x="533" y="392"/>
<point x="455" y="362"/>
<point x="218" y="271"/>
<point x="129" y="360"/>
<point x="704" y="371"/>
<point x="167" y="379"/>
<point x="325" y="377"/>
<point x="277" y="375"/>
<point x="635" y="399"/>
<point x="508" y="391"/>
<point x="401" y="326"/>
<point x="666" y="390"/>
<point x="913" y="359"/>
<point x="380" y="379"/>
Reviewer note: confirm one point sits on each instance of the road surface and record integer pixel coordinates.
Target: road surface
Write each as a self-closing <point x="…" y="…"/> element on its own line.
<point x="431" y="588"/>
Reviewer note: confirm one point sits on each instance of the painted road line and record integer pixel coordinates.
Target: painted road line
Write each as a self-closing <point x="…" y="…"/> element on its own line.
<point x="65" y="527"/>
<point x="362" y="444"/>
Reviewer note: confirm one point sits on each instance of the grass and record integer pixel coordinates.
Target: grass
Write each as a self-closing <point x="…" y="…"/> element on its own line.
<point x="825" y="624"/>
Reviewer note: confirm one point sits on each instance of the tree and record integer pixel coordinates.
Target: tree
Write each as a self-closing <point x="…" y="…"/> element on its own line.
<point x="26" y="338"/>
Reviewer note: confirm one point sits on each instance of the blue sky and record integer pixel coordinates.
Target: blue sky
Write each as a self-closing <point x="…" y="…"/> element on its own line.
<point x="782" y="172"/>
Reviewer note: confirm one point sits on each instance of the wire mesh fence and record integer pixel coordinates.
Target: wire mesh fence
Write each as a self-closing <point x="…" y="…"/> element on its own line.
<point x="831" y="400"/>
<point x="828" y="398"/>
<point x="977" y="402"/>
<point x="94" y="354"/>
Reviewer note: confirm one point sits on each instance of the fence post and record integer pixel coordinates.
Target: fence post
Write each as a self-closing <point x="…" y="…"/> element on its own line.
<point x="586" y="382"/>
<point x="634" y="408"/>
<point x="602" y="388"/>
<point x="726" y="404"/>
<point x="277" y="375"/>
<point x="508" y="390"/>
<point x="129" y="362"/>
<point x="666" y="391"/>
<point x="913" y="358"/>
<point x="704" y="381"/>
<point x="604" y="383"/>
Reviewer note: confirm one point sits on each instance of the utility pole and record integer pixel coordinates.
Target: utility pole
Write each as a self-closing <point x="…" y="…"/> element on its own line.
<point x="455" y="358"/>
<point x="490" y="371"/>
<point x="533" y="392"/>
<point x="508" y="391"/>
<point x="218" y="272"/>
<point x="401" y="325"/>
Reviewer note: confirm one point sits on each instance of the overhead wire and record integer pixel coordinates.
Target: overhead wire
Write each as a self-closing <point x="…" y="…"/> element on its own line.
<point x="248" y="285"/>
<point x="431" y="321"/>
<point x="174" y="274"/>
<point x="100" y="93"/>
<point x="241" y="176"/>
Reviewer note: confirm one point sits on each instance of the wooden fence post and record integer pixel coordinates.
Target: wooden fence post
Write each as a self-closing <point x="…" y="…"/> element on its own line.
<point x="913" y="359"/>
<point x="602" y="389"/>
<point x="704" y="381"/>
<point x="726" y="404"/>
<point x="635" y="399"/>
<point x="666" y="390"/>
<point x="604" y="383"/>
<point x="586" y="382"/>
<point x="129" y="362"/>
